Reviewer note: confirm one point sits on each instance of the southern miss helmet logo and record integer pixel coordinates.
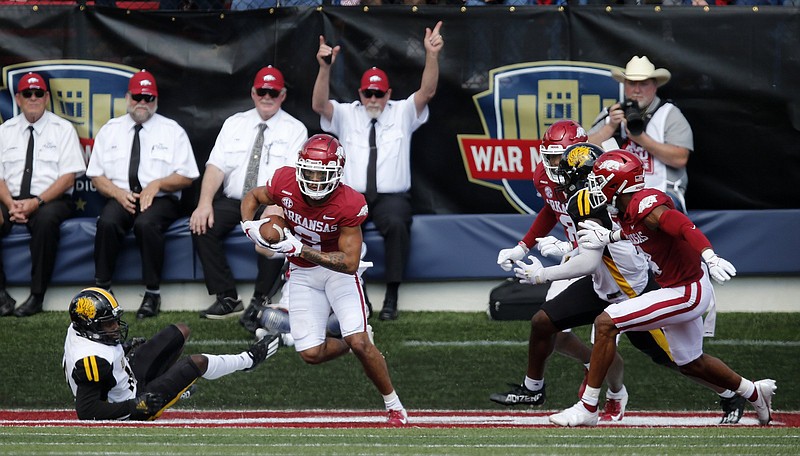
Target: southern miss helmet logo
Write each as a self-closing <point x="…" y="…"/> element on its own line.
<point x="579" y="155"/>
<point x="85" y="307"/>
<point x="522" y="101"/>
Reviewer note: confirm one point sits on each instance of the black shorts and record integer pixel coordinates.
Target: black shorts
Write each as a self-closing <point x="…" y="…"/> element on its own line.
<point x="653" y="344"/>
<point x="577" y="305"/>
<point x="157" y="369"/>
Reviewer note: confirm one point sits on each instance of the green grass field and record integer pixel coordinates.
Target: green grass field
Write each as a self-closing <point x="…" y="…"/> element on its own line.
<point x="438" y="360"/>
<point x="349" y="442"/>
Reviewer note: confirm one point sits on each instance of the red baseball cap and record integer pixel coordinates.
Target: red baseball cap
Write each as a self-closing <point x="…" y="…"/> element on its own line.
<point x="269" y="77"/>
<point x="375" y="79"/>
<point x="31" y="81"/>
<point x="143" y="82"/>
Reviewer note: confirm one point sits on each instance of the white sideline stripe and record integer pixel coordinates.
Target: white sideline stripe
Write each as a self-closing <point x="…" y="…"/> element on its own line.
<point x="758" y="343"/>
<point x="473" y="343"/>
<point x="503" y="343"/>
<point x="217" y="342"/>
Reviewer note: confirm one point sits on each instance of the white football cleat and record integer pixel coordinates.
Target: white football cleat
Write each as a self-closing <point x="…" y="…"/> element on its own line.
<point x="763" y="405"/>
<point x="577" y="415"/>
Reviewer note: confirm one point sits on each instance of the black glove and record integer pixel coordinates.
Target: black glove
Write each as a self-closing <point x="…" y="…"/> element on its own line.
<point x="146" y="406"/>
<point x="129" y="346"/>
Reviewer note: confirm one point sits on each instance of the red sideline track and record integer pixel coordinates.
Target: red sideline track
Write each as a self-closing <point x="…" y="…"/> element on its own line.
<point x="376" y="419"/>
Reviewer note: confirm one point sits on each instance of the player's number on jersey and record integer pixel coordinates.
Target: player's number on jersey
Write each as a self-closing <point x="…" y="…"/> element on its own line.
<point x="308" y="237"/>
<point x="569" y="227"/>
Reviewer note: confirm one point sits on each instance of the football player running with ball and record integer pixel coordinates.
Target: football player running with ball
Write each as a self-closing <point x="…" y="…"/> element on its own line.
<point x="684" y="263"/>
<point x="112" y="379"/>
<point x="323" y="245"/>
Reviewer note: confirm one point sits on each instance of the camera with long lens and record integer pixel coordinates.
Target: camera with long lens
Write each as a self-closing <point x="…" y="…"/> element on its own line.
<point x="633" y="117"/>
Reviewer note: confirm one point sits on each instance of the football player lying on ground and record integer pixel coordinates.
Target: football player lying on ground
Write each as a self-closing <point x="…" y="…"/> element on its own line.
<point x="608" y="276"/>
<point x="114" y="380"/>
<point x="685" y="263"/>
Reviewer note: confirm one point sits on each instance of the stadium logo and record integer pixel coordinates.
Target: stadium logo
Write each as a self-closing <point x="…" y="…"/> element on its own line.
<point x="522" y="101"/>
<point x="86" y="93"/>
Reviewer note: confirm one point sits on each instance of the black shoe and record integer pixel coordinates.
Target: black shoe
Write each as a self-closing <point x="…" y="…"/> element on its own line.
<point x="389" y="311"/>
<point x="250" y="318"/>
<point x="7" y="304"/>
<point x="31" y="306"/>
<point x="732" y="409"/>
<point x="519" y="396"/>
<point x="223" y="308"/>
<point x="263" y="348"/>
<point x="150" y="306"/>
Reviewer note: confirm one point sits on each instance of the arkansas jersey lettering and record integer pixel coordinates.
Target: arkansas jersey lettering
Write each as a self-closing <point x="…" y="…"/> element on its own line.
<point x="559" y="207"/>
<point x="637" y="238"/>
<point x="317" y="226"/>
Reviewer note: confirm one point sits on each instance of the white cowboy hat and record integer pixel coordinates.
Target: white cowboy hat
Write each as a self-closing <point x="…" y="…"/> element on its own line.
<point x="639" y="69"/>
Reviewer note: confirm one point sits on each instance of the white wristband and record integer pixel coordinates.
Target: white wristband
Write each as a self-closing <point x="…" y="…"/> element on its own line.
<point x="708" y="254"/>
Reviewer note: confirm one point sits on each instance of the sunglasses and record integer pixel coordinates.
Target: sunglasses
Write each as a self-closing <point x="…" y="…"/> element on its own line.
<point x="369" y="93"/>
<point x="271" y="92"/>
<point x="27" y="93"/>
<point x="140" y="96"/>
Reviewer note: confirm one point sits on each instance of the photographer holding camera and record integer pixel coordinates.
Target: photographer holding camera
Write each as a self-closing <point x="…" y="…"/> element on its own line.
<point x="653" y="129"/>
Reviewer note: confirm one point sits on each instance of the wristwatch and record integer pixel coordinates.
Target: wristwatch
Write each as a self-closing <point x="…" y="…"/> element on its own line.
<point x="40" y="200"/>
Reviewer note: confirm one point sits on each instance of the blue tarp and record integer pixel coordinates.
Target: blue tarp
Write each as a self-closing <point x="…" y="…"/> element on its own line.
<point x="443" y="247"/>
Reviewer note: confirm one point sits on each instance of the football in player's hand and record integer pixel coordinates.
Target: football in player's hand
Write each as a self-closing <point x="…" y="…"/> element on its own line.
<point x="272" y="231"/>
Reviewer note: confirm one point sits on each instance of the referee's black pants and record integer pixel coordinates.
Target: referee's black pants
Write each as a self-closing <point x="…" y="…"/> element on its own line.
<point x="148" y="227"/>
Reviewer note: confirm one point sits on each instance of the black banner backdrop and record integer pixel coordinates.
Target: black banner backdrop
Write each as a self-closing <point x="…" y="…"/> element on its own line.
<point x="735" y="76"/>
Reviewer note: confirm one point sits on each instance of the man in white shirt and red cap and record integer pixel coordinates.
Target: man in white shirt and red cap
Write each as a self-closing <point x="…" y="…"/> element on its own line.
<point x="41" y="159"/>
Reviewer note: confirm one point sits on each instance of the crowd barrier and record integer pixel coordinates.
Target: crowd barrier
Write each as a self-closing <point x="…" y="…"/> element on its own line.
<point x="443" y="247"/>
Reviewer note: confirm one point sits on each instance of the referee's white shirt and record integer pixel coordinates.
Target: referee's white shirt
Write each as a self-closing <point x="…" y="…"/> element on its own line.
<point x="164" y="149"/>
<point x="56" y="152"/>
<point x="351" y="124"/>
<point x="283" y="139"/>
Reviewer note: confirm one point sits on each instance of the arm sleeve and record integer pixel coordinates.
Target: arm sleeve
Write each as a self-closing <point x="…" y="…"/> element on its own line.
<point x="579" y="265"/>
<point x="541" y="226"/>
<point x="676" y="224"/>
<point x="94" y="377"/>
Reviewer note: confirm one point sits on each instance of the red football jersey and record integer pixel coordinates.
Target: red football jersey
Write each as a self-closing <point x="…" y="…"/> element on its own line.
<point x="676" y="263"/>
<point x="316" y="226"/>
<point x="556" y="200"/>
